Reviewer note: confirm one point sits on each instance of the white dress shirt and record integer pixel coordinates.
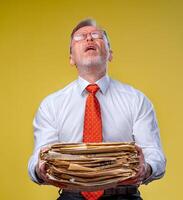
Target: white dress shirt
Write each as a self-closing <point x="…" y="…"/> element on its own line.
<point x="127" y="115"/>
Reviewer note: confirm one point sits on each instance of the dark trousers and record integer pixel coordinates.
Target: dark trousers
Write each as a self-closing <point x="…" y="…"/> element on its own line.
<point x="78" y="196"/>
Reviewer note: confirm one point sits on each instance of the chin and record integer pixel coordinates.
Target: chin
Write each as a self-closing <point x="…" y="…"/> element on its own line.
<point x="91" y="62"/>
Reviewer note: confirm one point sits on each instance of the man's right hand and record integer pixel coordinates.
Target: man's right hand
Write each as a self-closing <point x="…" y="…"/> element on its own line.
<point x="42" y="173"/>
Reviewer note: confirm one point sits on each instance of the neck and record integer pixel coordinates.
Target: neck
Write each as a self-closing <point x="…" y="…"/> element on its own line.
<point x="92" y="74"/>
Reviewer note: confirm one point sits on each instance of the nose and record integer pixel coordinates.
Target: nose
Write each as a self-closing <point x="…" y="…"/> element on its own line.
<point x="89" y="37"/>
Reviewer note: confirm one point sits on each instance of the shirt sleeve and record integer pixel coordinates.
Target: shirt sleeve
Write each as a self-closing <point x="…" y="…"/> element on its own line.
<point x="147" y="136"/>
<point x="45" y="132"/>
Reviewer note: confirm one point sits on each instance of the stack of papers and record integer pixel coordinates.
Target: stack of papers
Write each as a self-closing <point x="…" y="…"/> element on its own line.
<point x="91" y="166"/>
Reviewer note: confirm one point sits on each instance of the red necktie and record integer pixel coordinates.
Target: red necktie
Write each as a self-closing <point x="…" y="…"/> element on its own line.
<point x="92" y="129"/>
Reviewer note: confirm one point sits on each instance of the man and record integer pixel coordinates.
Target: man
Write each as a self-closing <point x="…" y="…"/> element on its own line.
<point x="125" y="115"/>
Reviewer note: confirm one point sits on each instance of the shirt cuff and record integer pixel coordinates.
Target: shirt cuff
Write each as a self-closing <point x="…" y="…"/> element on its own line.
<point x="32" y="169"/>
<point x="153" y="175"/>
<point x="149" y="178"/>
<point x="39" y="180"/>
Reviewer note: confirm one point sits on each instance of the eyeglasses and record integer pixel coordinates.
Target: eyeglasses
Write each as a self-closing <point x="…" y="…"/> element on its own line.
<point x="83" y="36"/>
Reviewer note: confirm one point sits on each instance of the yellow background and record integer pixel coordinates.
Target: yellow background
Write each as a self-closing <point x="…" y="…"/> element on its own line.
<point x="146" y="37"/>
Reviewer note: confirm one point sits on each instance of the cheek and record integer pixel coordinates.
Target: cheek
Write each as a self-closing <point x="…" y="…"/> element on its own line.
<point x="77" y="50"/>
<point x="75" y="53"/>
<point x="104" y="49"/>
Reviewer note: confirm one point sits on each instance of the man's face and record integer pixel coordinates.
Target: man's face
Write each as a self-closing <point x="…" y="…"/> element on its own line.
<point x="91" y="50"/>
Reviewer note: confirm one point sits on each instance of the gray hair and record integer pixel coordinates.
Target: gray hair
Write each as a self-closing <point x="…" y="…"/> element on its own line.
<point x="87" y="22"/>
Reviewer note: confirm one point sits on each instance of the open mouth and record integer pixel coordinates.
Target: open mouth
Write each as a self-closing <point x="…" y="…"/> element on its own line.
<point x="90" y="48"/>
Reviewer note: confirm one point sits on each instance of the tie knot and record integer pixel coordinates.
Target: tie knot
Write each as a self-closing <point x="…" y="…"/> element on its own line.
<point x="92" y="88"/>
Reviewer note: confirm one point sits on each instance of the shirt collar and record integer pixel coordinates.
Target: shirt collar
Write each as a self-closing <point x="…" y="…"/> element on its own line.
<point x="103" y="83"/>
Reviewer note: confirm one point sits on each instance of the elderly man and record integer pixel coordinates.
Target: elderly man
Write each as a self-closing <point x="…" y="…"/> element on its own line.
<point x="120" y="113"/>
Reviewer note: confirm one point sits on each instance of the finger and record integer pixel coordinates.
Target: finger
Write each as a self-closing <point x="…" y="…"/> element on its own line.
<point x="41" y="170"/>
<point x="44" y="149"/>
<point x="133" y="181"/>
<point x="42" y="166"/>
<point x="140" y="152"/>
<point x="57" y="184"/>
<point x="138" y="148"/>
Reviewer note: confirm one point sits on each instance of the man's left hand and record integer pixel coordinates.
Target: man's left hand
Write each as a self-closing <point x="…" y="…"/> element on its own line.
<point x="143" y="173"/>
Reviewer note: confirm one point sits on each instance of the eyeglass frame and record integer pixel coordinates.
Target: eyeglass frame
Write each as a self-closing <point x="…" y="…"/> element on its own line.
<point x="99" y="35"/>
<point x="104" y="34"/>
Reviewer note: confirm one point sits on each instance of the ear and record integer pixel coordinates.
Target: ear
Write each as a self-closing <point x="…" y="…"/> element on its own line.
<point x="110" y="55"/>
<point x="71" y="60"/>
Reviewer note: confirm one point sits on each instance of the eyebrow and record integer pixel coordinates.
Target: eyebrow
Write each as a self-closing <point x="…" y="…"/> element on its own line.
<point x="84" y="32"/>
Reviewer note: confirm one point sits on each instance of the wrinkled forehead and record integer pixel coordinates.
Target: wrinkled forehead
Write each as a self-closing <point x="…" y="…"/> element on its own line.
<point x="87" y="29"/>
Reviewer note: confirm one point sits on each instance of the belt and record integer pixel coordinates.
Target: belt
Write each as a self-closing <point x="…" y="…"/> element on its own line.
<point x="123" y="190"/>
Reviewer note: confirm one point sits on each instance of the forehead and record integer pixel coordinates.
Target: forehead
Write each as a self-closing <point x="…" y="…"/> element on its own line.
<point x="87" y="29"/>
